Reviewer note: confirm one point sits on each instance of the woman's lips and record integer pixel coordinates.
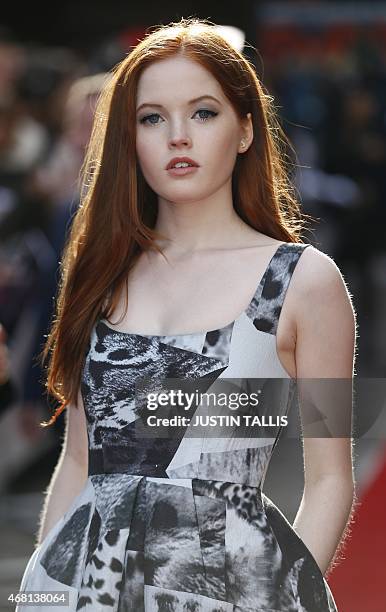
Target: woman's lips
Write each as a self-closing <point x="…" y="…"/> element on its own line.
<point x="182" y="171"/>
<point x="181" y="159"/>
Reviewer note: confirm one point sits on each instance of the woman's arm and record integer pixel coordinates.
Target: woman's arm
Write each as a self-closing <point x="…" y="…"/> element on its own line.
<point x="71" y="471"/>
<point x="325" y="349"/>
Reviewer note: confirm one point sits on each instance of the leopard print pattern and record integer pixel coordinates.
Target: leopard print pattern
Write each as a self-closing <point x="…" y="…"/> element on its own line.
<point x="102" y="579"/>
<point x="266" y="307"/>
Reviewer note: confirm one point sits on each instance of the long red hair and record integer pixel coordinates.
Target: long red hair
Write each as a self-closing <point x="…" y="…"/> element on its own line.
<point x="115" y="219"/>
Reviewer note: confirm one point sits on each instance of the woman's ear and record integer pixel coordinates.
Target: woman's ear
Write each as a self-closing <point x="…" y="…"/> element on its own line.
<point x="246" y="134"/>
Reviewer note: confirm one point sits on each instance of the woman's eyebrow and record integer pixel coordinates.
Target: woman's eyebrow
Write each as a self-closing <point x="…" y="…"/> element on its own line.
<point x="189" y="103"/>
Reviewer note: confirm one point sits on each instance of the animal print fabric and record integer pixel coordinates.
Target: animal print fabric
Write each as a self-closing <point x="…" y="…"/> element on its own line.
<point x="180" y="525"/>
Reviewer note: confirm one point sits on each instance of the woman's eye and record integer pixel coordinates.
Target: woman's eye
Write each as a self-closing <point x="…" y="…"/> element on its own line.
<point x="205" y="114"/>
<point x="149" y="119"/>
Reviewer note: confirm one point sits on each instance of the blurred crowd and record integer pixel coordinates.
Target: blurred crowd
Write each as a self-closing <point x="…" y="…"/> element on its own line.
<point x="332" y="110"/>
<point x="47" y="102"/>
<point x="333" y="105"/>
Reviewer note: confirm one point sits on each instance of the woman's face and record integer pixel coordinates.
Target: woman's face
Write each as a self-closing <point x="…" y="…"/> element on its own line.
<point x="183" y="112"/>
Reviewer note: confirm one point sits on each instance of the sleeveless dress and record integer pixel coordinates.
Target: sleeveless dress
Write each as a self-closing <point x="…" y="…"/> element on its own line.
<point x="181" y="525"/>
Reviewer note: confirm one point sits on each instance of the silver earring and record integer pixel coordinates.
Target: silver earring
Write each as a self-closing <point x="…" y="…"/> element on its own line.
<point x="242" y="143"/>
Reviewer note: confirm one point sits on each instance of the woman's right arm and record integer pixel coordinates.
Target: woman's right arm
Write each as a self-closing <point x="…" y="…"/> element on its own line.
<point x="70" y="474"/>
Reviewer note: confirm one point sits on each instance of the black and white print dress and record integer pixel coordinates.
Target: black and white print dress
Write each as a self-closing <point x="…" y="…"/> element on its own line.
<point x="180" y="525"/>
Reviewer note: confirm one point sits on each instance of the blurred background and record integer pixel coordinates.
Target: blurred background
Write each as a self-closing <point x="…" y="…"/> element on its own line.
<point x="325" y="64"/>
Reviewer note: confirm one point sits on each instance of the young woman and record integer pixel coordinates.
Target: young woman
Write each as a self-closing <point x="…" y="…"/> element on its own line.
<point x="184" y="246"/>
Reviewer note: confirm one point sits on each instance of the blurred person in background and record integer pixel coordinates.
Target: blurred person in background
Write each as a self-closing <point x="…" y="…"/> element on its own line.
<point x="25" y="143"/>
<point x="33" y="91"/>
<point x="55" y="182"/>
<point x="356" y="148"/>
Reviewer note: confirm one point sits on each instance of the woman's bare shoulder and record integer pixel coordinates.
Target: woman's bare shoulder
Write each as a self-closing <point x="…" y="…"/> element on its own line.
<point x="315" y="273"/>
<point x="318" y="293"/>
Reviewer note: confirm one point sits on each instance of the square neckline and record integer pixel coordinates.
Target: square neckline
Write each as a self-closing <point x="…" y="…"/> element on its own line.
<point x="202" y="332"/>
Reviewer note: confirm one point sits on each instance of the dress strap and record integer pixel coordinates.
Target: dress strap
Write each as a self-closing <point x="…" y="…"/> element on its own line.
<point x="275" y="284"/>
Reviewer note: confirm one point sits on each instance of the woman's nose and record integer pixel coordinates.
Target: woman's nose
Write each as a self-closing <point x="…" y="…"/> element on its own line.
<point x="178" y="140"/>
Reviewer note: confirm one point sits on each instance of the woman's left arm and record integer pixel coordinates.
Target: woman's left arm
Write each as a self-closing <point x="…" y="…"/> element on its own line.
<point x="325" y="349"/>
